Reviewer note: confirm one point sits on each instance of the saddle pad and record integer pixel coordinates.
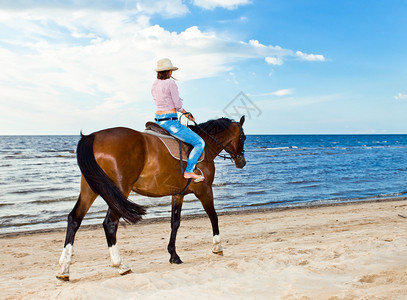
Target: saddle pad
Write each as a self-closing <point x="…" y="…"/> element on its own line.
<point x="172" y="145"/>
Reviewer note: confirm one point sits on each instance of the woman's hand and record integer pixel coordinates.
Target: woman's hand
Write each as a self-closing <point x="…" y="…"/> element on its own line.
<point x="188" y="115"/>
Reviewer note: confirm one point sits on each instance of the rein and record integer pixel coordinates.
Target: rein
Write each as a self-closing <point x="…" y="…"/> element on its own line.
<point x="232" y="155"/>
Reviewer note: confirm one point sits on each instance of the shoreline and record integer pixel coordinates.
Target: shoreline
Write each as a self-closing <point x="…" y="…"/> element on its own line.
<point x="243" y="211"/>
<point x="346" y="251"/>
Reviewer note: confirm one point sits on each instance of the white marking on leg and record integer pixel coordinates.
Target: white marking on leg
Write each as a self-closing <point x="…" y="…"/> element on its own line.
<point x="65" y="260"/>
<point x="66" y="255"/>
<point x="217" y="247"/>
<point x="115" y="255"/>
<point x="117" y="260"/>
<point x="216" y="239"/>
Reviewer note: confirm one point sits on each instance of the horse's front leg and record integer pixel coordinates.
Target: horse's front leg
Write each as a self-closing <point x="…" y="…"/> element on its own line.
<point x="206" y="198"/>
<point x="176" y="206"/>
<point x="110" y="224"/>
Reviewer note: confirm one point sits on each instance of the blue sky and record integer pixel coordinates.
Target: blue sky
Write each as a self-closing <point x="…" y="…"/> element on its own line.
<point x="304" y="67"/>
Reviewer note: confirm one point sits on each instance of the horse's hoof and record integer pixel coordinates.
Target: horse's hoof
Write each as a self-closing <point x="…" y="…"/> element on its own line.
<point x="126" y="272"/>
<point x="217" y="249"/>
<point x="123" y="269"/>
<point x="176" y="260"/>
<point x="63" y="277"/>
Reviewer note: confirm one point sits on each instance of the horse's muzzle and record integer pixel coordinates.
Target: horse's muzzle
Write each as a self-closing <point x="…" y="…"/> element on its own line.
<point x="240" y="162"/>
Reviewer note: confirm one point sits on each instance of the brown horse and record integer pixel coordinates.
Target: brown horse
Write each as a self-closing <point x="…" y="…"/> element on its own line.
<point x="116" y="161"/>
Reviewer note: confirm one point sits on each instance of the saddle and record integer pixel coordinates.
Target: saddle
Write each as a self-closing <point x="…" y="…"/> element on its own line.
<point x="177" y="148"/>
<point x="157" y="128"/>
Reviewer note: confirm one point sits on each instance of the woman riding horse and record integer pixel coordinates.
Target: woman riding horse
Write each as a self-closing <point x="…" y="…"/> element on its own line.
<point x="166" y="97"/>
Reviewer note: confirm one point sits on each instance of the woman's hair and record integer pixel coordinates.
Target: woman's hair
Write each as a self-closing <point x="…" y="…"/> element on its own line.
<point x="162" y="75"/>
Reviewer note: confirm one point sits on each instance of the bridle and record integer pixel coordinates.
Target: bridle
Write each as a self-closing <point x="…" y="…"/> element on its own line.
<point x="232" y="154"/>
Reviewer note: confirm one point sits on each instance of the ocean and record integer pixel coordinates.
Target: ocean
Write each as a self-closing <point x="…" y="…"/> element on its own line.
<point x="39" y="177"/>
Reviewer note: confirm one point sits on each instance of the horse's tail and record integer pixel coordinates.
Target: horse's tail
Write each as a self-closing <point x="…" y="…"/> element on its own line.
<point x="101" y="184"/>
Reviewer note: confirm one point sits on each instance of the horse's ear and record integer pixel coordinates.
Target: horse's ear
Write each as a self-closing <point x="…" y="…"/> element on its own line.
<point x="242" y="120"/>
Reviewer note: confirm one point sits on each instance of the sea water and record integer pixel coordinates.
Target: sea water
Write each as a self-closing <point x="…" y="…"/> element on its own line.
<point x="39" y="177"/>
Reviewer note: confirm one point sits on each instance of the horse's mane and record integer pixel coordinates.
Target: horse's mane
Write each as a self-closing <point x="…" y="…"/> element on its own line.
<point x="212" y="127"/>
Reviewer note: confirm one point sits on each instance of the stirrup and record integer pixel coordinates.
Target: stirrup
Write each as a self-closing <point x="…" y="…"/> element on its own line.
<point x="196" y="180"/>
<point x="199" y="179"/>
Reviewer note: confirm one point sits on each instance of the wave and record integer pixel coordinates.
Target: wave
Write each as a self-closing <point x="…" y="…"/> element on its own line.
<point x="33" y="157"/>
<point x="56" y="151"/>
<point x="302" y="182"/>
<point x="48" y="201"/>
<point x="391" y="195"/>
<point x="292" y="155"/>
<point x="366" y="198"/>
<point x="6" y="166"/>
<point x="312" y="186"/>
<point x="166" y="204"/>
<point x="256" y="192"/>
<point x="226" y="183"/>
<point x="280" y="148"/>
<point x="45" y="217"/>
<point x="33" y="221"/>
<point x="310" y="203"/>
<point x="248" y="205"/>
<point x="37" y="190"/>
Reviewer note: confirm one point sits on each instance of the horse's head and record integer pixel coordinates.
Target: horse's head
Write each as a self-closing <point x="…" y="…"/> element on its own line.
<point x="236" y="147"/>
<point x="223" y="134"/>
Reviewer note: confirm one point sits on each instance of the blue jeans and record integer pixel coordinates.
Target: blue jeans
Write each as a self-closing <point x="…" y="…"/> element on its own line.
<point x="175" y="128"/>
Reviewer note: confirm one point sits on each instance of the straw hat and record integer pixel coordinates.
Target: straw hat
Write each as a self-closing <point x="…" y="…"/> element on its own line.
<point x="165" y="65"/>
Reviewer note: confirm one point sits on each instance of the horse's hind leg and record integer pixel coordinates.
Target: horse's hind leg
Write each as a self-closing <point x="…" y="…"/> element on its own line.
<point x="85" y="200"/>
<point x="110" y="224"/>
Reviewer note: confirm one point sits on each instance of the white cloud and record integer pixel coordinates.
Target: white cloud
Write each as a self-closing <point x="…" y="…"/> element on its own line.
<point x="256" y="43"/>
<point x="69" y="66"/>
<point x="310" y="57"/>
<point x="279" y="93"/>
<point x="169" y="8"/>
<point x="270" y="53"/>
<point x="228" y="4"/>
<point x="166" y="8"/>
<point x="277" y="61"/>
<point x="283" y="92"/>
<point x="400" y="96"/>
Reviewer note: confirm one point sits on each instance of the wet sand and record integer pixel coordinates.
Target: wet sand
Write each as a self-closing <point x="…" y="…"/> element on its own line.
<point x="353" y="251"/>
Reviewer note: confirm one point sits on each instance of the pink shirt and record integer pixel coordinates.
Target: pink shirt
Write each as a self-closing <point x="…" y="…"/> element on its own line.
<point x="165" y="94"/>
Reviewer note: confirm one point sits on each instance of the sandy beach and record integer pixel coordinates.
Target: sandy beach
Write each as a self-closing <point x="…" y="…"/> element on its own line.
<point x="353" y="251"/>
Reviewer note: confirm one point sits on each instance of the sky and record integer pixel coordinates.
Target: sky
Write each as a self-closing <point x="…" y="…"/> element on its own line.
<point x="292" y="67"/>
